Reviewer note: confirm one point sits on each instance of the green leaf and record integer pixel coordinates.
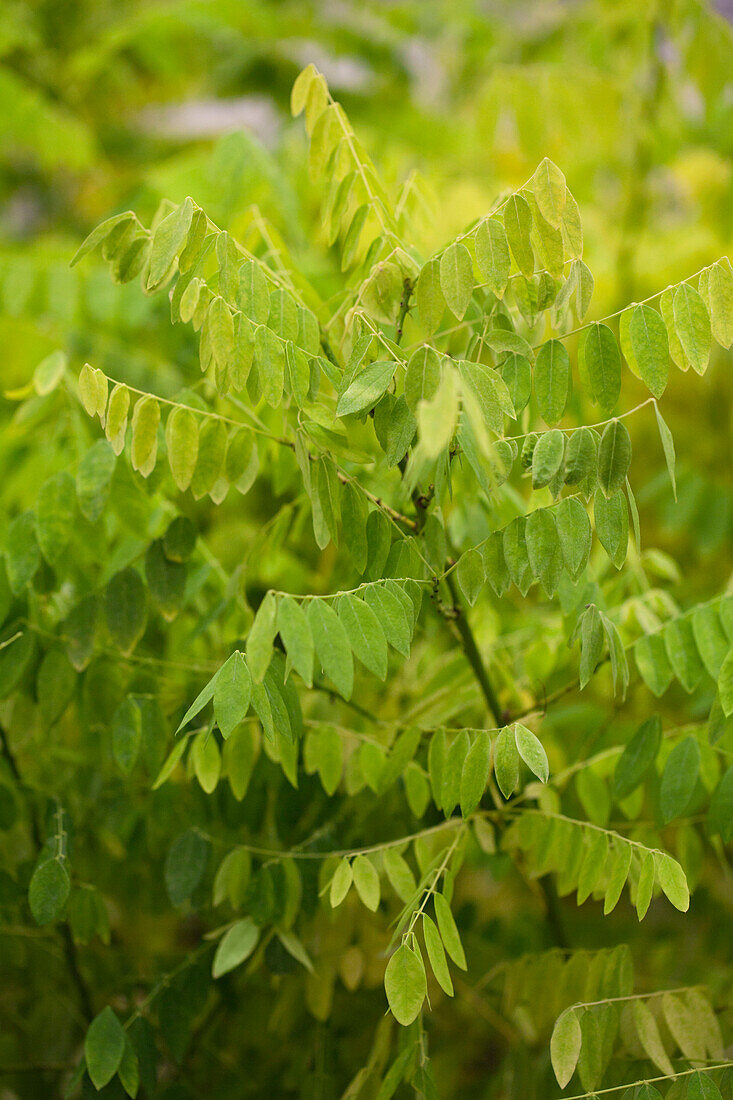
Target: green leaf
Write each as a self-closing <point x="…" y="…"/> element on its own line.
<point x="617" y="878"/>
<point x="292" y="624"/>
<point x="470" y="575"/>
<point x="547" y="457"/>
<point x="204" y="696"/>
<point x="592" y="867"/>
<point x="100" y="234"/>
<point x="366" y="881"/>
<point x="296" y="950"/>
<point x="651" y="659"/>
<point x="600" y="363"/>
<point x="405" y="985"/>
<point x="125" y="607"/>
<point x="456" y="278"/>
<point x="352" y="238"/>
<point x="492" y="255"/>
<point x="565" y="1045"/>
<point x="531" y="751"/>
<point x="117" y="410"/>
<point x="365" y="634"/>
<point x="127" y="731"/>
<point x="666" y="308"/>
<point x="394" y="427"/>
<point x="166" y="580"/>
<point x="612" y="525"/>
<point x="707" y="1021"/>
<point x="645" y="884"/>
<point x="182" y="440"/>
<point x="104" y="1046"/>
<point x="240" y="756"/>
<point x="702" y="1087"/>
<point x="710" y="639"/>
<point x="48" y="891"/>
<point x="241" y="464"/>
<point x="506" y="340"/>
<point x="261" y="636"/>
<point x="585" y="284"/>
<point x="392" y="615"/>
<point x="270" y="360"/>
<point x="168" y="240"/>
<point x="725" y="685"/>
<point x="693" y="326"/>
<point x="55" y="510"/>
<point x="614" y="457"/>
<point x="683" y="1026"/>
<point x="648" y="336"/>
<point x="591" y="643"/>
<point x="475" y="773"/>
<point x="633" y="509"/>
<point x="719" y="301"/>
<point x="193" y="248"/>
<point x="581" y="457"/>
<point x="145" y="420"/>
<point x="254" y="296"/>
<point x="485" y="390"/>
<point x="679" y="641"/>
<point x="341" y="883"/>
<point x="436" y="954"/>
<point x="453" y="772"/>
<point x="437" y="417"/>
<point x="185" y="864"/>
<point x="543" y="549"/>
<point x="22" y="555"/>
<point x="429" y="296"/>
<point x="236" y="945"/>
<point x="93" y="390"/>
<point x="518" y="226"/>
<point x="206" y="760"/>
<point x="549" y="188"/>
<point x="323" y="753"/>
<point x="210" y="459"/>
<point x="94" y="479"/>
<point x="516" y="372"/>
<point x="449" y="931"/>
<point x="552" y="380"/>
<point x="638" y="756"/>
<point x="332" y="646"/>
<point x="422" y="376"/>
<point x="367" y="388"/>
<point x="668" y="447"/>
<point x="649" y="1037"/>
<point x="232" y="693"/>
<point x="301" y="89"/>
<point x="399" y="874"/>
<point x="673" y="882"/>
<point x="679" y="778"/>
<point x="574" y="532"/>
<point x="506" y="761"/>
<point x="617" y="654"/>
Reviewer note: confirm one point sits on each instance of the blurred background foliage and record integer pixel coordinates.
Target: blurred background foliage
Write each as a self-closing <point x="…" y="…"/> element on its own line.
<point x="109" y="105"/>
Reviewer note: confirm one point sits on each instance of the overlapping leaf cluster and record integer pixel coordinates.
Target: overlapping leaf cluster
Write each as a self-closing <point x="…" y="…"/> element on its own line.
<point x="403" y="422"/>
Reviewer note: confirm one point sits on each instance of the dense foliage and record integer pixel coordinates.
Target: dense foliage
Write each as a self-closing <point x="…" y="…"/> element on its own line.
<point x="337" y="660"/>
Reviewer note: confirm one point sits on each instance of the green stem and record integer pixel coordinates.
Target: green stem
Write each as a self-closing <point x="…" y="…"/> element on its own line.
<point x="468" y="643"/>
<point x="70" y="952"/>
<point x="404" y="308"/>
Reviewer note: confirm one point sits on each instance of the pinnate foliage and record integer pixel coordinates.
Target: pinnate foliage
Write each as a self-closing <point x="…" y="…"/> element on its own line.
<point x="424" y="430"/>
